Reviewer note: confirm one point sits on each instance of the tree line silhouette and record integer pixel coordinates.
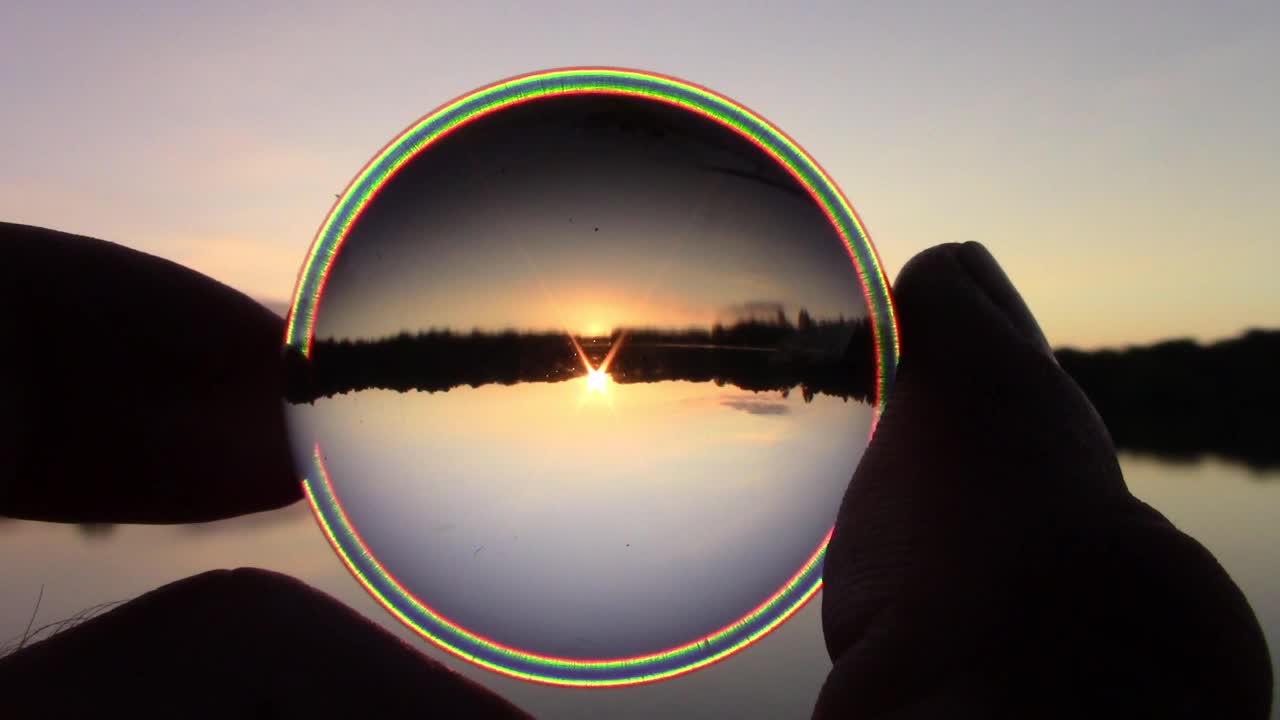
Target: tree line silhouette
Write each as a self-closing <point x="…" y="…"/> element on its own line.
<point x="1175" y="399"/>
<point x="828" y="357"/>
<point x="1178" y="399"/>
<point x="1181" y="399"/>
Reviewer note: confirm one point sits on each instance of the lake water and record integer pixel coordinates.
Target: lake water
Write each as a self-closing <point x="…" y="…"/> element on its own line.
<point x="587" y="524"/>
<point x="1228" y="507"/>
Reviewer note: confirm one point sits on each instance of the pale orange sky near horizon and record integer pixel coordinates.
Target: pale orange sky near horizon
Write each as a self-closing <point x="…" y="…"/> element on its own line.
<point x="1120" y="162"/>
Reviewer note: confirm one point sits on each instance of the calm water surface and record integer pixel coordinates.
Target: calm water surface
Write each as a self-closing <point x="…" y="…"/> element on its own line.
<point x="1228" y="507"/>
<point x="590" y="524"/>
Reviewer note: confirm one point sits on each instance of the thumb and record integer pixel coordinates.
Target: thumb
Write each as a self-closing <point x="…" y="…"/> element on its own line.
<point x="987" y="534"/>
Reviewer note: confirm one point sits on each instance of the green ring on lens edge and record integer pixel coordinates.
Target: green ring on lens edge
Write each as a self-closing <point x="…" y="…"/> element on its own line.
<point x="701" y="651"/>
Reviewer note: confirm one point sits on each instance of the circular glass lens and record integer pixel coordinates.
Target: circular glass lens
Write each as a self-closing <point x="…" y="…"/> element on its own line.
<point x="579" y="368"/>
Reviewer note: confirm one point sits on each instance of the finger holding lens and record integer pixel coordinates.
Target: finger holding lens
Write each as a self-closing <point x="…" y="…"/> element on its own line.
<point x="988" y="560"/>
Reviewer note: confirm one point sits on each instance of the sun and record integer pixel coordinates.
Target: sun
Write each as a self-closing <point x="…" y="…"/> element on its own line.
<point x="597" y="380"/>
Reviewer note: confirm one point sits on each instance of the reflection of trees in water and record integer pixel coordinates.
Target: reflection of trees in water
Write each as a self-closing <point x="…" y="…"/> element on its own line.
<point x="1177" y="399"/>
<point x="1181" y="399"/>
<point x="833" y="358"/>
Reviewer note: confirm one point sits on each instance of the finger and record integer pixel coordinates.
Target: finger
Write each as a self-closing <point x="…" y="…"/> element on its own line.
<point x="142" y="391"/>
<point x="987" y="538"/>
<point x="981" y="435"/>
<point x="230" y="644"/>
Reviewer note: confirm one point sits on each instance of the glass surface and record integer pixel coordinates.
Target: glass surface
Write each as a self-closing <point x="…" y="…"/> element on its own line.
<point x="589" y="376"/>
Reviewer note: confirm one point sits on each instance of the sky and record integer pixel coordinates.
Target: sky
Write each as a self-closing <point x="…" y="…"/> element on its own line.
<point x="1120" y="161"/>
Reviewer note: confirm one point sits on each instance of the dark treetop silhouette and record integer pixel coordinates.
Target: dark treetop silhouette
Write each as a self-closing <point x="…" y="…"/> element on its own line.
<point x="1177" y="398"/>
<point x="1181" y="399"/>
<point x="832" y="357"/>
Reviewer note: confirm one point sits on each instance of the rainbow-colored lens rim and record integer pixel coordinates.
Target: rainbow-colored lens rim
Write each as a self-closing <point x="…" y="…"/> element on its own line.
<point x="300" y="326"/>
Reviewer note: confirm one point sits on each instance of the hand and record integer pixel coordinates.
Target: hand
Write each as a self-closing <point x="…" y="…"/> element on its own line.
<point x="148" y="393"/>
<point x="988" y="559"/>
<point x="145" y="392"/>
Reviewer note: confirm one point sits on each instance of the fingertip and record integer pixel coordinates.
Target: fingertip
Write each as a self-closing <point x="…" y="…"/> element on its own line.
<point x="992" y="280"/>
<point x="983" y="438"/>
<point x="956" y="301"/>
<point x="237" y="643"/>
<point x="150" y="392"/>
